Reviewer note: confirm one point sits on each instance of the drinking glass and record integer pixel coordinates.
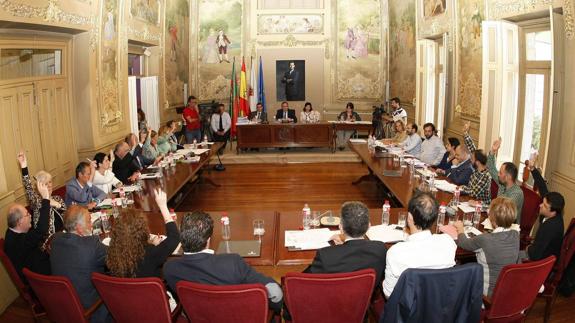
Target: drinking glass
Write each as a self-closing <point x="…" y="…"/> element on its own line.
<point x="315" y="220"/>
<point x="259" y="229"/>
<point x="402" y="218"/>
<point x="468" y="219"/>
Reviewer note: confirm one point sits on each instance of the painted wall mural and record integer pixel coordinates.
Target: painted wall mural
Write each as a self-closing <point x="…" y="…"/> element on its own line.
<point x="219" y="42"/>
<point x="290" y="24"/>
<point x="471" y="14"/>
<point x="402" y="55"/>
<point x="432" y="8"/>
<point x="110" y="109"/>
<point x="359" y="48"/>
<point x="176" y="49"/>
<point x="146" y="10"/>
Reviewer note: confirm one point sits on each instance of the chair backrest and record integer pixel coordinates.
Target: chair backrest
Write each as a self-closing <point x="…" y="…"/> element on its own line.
<point x="228" y="303"/>
<point x="494" y="189"/>
<point x="133" y="299"/>
<point x="342" y="297"/>
<point x="567" y="252"/>
<point x="517" y="287"/>
<point x="57" y="296"/>
<point x="60" y="191"/>
<point x="530" y="211"/>
<point x="437" y="295"/>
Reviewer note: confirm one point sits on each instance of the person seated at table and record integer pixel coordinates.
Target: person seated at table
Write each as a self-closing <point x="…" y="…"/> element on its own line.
<point x="76" y="254"/>
<point x="81" y="190"/>
<point x="400" y="134"/>
<point x="22" y="242"/>
<point x="549" y="236"/>
<point x="346" y="116"/>
<point x="125" y="166"/>
<point x="165" y="146"/>
<point x="150" y="150"/>
<point x="308" y="114"/>
<point x="57" y="205"/>
<point x="352" y="251"/>
<point x="285" y="114"/>
<point x="432" y="149"/>
<point x="136" y="145"/>
<point x="422" y="249"/>
<point x="447" y="160"/>
<point x="104" y="178"/>
<point x="199" y="263"/>
<point x="221" y="124"/>
<point x="259" y="116"/>
<point x="496" y="249"/>
<point x="174" y="135"/>
<point x="461" y="170"/>
<point x="132" y="253"/>
<point x="412" y="144"/>
<point x="506" y="179"/>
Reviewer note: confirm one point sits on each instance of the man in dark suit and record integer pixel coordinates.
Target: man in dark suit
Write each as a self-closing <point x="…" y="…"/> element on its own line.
<point x="200" y="265"/>
<point x="76" y="254"/>
<point x="549" y="236"/>
<point x="351" y="252"/>
<point x="285" y="113"/>
<point x="461" y="173"/>
<point x="23" y="243"/>
<point x="124" y="166"/>
<point x="79" y="190"/>
<point x="291" y="81"/>
<point x="259" y="115"/>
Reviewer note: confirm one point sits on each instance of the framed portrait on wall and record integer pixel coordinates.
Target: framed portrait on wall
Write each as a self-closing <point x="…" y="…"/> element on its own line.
<point x="290" y="80"/>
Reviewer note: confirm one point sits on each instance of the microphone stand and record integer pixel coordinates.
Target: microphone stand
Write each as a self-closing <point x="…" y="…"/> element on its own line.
<point x="220" y="166"/>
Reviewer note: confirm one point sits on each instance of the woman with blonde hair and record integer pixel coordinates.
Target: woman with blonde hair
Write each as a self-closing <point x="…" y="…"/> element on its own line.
<point x="132" y="253"/>
<point x="150" y="149"/>
<point x="165" y="145"/>
<point x="57" y="205"/>
<point x="400" y="134"/>
<point x="496" y="249"/>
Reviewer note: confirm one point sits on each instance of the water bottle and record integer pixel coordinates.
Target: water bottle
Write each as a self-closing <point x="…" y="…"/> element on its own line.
<point x="385" y="213"/>
<point x="432" y="182"/>
<point x="226" y="232"/>
<point x="115" y="211"/>
<point x="441" y="216"/>
<point x="105" y="223"/>
<point x="123" y="198"/>
<point x="456" y="194"/>
<point x="195" y="144"/>
<point x="306" y="217"/>
<point x="370" y="142"/>
<point x="205" y="139"/>
<point x="477" y="214"/>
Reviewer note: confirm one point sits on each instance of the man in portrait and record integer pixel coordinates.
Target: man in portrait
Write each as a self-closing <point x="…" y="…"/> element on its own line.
<point x="291" y="81"/>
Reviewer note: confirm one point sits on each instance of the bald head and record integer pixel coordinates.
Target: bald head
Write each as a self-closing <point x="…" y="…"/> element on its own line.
<point x="19" y="219"/>
<point x="122" y="148"/>
<point x="77" y="220"/>
<point x="461" y="153"/>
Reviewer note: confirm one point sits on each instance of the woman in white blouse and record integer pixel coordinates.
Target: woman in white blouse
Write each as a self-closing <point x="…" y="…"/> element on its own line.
<point x="104" y="178"/>
<point x="308" y="115"/>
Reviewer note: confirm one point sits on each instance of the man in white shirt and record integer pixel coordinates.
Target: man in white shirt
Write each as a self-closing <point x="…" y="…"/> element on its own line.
<point x="221" y="123"/>
<point x="432" y="149"/>
<point x="412" y="145"/>
<point x="398" y="112"/>
<point x="422" y="249"/>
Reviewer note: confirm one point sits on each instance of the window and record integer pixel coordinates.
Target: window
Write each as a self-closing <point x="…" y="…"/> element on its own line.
<point x="538" y="46"/>
<point x="21" y="63"/>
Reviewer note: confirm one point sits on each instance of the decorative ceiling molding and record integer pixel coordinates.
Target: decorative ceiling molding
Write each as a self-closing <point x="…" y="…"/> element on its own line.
<point x="499" y="10"/>
<point x="145" y="34"/>
<point x="51" y="13"/>
<point x="291" y="41"/>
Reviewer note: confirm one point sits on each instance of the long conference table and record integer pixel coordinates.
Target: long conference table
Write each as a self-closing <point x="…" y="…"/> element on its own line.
<point x="289" y="135"/>
<point x="273" y="252"/>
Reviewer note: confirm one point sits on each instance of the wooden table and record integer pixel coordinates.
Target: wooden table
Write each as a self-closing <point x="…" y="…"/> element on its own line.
<point x="241" y="224"/>
<point x="293" y="221"/>
<point x="282" y="135"/>
<point x="173" y="180"/>
<point x="401" y="187"/>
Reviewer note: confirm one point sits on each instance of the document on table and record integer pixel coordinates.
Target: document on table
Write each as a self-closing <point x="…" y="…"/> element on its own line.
<point x="308" y="239"/>
<point x="127" y="188"/>
<point x="149" y="176"/>
<point x="199" y="151"/>
<point x="386" y="233"/>
<point x="358" y="141"/>
<point x="471" y="231"/>
<point x="444" y="185"/>
<point x="105" y="202"/>
<point x="466" y="208"/>
<point x="487" y="225"/>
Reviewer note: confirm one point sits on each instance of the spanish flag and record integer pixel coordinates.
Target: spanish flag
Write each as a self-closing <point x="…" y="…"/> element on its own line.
<point x="244" y="110"/>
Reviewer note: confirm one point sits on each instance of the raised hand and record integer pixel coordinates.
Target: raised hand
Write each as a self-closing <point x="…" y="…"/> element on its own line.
<point x="466" y="127"/>
<point x="22" y="159"/>
<point x="161" y="198"/>
<point x="43" y="190"/>
<point x="496" y="145"/>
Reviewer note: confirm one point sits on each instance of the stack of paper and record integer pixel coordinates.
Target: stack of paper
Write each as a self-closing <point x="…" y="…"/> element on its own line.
<point x="149" y="176"/>
<point x="308" y="239"/>
<point x="127" y="188"/>
<point x="358" y="141"/>
<point x="466" y="208"/>
<point x="426" y="172"/>
<point x="445" y="185"/>
<point x="105" y="202"/>
<point x="190" y="160"/>
<point x="487" y="225"/>
<point x="386" y="233"/>
<point x="471" y="230"/>
<point x="199" y="151"/>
